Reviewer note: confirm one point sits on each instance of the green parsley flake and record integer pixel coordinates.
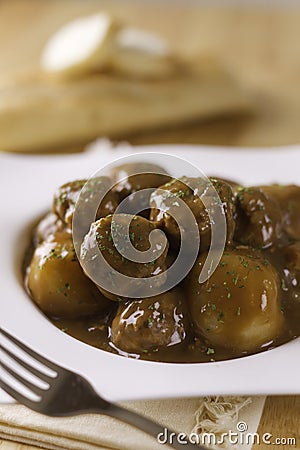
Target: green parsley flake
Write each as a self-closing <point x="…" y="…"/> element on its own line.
<point x="210" y="351"/>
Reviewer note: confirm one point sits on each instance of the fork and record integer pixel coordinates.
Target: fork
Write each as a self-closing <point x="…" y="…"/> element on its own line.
<point x="69" y="394"/>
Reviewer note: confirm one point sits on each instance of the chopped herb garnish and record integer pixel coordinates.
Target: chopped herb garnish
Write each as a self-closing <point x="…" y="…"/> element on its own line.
<point x="220" y="317"/>
<point x="223" y="263"/>
<point x="236" y="279"/>
<point x="283" y="284"/>
<point x="210" y="351"/>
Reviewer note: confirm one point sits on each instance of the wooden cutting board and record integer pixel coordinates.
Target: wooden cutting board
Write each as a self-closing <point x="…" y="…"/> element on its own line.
<point x="262" y="46"/>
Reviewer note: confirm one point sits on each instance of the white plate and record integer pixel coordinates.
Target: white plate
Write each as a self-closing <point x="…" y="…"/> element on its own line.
<point x="27" y="184"/>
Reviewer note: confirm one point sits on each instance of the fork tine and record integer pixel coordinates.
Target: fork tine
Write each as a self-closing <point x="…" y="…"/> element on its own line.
<point x="18" y="396"/>
<point x="31" y="352"/>
<point x="37" y="390"/>
<point x="26" y="366"/>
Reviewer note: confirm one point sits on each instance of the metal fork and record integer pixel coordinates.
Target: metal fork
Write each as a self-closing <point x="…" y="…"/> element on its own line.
<point x="69" y="394"/>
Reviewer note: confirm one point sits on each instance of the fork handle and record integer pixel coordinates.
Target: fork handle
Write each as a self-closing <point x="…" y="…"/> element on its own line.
<point x="161" y="434"/>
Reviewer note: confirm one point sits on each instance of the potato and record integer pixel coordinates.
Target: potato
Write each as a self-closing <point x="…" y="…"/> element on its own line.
<point x="57" y="283"/>
<point x="239" y="306"/>
<point x="46" y="227"/>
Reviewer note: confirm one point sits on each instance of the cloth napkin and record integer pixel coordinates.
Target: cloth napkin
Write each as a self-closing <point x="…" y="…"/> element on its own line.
<point x="98" y="432"/>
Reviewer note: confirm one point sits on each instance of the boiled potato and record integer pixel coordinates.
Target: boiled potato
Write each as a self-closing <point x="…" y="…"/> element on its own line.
<point x="239" y="306"/>
<point x="46" y="227"/>
<point x="57" y="283"/>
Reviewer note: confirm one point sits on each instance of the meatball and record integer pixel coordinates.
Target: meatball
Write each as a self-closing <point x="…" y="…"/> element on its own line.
<point x="292" y="253"/>
<point x="48" y="225"/>
<point x="135" y="182"/>
<point x="290" y="282"/>
<point x="65" y="199"/>
<point x="288" y="198"/>
<point x="67" y="195"/>
<point x="259" y="219"/>
<point x="165" y="206"/>
<point x="239" y="306"/>
<point x="57" y="283"/>
<point x="233" y="184"/>
<point x="110" y="236"/>
<point x="133" y="177"/>
<point x="150" y="324"/>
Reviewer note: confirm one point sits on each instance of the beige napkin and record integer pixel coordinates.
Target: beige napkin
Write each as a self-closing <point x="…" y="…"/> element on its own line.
<point x="91" y="432"/>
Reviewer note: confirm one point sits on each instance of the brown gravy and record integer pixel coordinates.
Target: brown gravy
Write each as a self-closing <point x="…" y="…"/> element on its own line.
<point x="95" y="328"/>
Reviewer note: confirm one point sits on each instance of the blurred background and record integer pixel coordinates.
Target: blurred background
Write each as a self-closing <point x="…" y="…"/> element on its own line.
<point x="259" y="42"/>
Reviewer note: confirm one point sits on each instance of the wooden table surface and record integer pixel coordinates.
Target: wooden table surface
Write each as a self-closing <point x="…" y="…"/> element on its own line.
<point x="261" y="46"/>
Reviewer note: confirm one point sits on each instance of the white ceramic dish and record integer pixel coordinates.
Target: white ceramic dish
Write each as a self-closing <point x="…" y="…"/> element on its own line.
<point x="27" y="184"/>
